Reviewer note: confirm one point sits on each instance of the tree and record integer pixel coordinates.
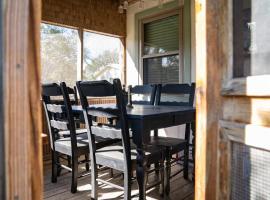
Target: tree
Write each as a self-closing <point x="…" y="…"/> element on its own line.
<point x="58" y="54"/>
<point x="103" y="66"/>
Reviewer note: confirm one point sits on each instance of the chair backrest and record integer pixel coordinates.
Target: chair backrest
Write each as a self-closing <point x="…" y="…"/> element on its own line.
<point x="145" y="94"/>
<point x="175" y="94"/>
<point x="117" y="111"/>
<point x="58" y="111"/>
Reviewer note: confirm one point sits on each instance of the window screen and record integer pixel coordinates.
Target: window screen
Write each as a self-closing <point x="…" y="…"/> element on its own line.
<point x="251" y="37"/>
<point x="161" y="70"/>
<point x="59" y="54"/>
<point x="161" y="36"/>
<point x="250" y="172"/>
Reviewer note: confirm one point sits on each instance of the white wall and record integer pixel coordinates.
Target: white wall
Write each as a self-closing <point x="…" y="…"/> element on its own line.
<point x="133" y="77"/>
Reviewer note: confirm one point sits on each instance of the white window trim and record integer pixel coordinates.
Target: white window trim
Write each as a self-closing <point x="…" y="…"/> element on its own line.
<point x="180" y="52"/>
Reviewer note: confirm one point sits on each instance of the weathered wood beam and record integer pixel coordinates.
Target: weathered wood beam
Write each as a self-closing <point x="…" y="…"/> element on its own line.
<point x="208" y="99"/>
<point x="2" y="150"/>
<point x="23" y="158"/>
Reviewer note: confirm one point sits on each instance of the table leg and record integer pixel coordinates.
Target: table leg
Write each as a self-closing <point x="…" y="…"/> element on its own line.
<point x="141" y="173"/>
<point x="193" y="128"/>
<point x="138" y="132"/>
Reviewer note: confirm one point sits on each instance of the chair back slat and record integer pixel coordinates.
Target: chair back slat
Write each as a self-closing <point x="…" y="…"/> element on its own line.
<point x="147" y="94"/>
<point x="175" y="94"/>
<point x="60" y="125"/>
<point x="97" y="88"/>
<point x="51" y="90"/>
<point x="103" y="113"/>
<point x="54" y="108"/>
<point x="176" y="88"/>
<point x="106" y="132"/>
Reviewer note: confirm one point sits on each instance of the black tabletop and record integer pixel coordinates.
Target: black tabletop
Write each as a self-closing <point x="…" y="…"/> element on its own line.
<point x="142" y="111"/>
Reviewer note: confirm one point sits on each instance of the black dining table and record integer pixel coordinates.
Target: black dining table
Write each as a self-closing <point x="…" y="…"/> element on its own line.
<point x="143" y="119"/>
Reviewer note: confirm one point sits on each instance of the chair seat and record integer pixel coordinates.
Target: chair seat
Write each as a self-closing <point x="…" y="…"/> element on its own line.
<point x="67" y="133"/>
<point x="174" y="145"/>
<point x="63" y="145"/>
<point x="112" y="156"/>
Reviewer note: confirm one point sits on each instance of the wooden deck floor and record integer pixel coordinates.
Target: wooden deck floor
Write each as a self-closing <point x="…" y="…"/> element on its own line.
<point x="181" y="189"/>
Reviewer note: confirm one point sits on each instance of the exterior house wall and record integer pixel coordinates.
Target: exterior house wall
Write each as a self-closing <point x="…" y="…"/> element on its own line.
<point x="132" y="40"/>
<point x="96" y="15"/>
<point x="132" y="47"/>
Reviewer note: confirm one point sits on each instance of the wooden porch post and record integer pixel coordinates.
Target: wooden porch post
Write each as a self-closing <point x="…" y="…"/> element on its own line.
<point x="21" y="72"/>
<point x="2" y="154"/>
<point x="208" y="99"/>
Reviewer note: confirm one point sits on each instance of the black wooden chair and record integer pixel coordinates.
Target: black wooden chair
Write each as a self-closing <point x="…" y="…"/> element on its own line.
<point x="145" y="94"/>
<point x="65" y="139"/>
<point x="174" y="95"/>
<point x="120" y="156"/>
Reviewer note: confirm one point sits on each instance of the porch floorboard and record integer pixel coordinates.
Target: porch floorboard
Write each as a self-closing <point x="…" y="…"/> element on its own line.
<point x="181" y="189"/>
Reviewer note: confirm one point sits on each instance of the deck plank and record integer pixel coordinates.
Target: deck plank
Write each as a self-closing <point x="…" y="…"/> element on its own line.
<point x="181" y="189"/>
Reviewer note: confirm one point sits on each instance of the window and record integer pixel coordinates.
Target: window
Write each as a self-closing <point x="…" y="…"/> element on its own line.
<point x="251" y="37"/>
<point x="102" y="56"/>
<point x="59" y="54"/>
<point x="160" y="50"/>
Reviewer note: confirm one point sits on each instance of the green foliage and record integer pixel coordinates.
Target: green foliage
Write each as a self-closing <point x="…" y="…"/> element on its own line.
<point x="59" y="54"/>
<point x="96" y="68"/>
<point x="59" y="57"/>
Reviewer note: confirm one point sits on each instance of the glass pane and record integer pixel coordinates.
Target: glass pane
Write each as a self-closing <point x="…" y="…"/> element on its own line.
<point x="161" y="36"/>
<point x="251" y="37"/>
<point x="101" y="59"/>
<point x="59" y="54"/>
<point x="161" y="70"/>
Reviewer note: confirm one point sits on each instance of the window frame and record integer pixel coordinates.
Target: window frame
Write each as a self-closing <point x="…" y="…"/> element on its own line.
<point x="81" y="46"/>
<point x="252" y="86"/>
<point x="180" y="51"/>
<point x="122" y="53"/>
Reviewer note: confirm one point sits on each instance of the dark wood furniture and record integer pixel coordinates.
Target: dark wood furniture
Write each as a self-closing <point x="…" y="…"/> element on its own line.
<point x="120" y="156"/>
<point x="174" y="95"/>
<point x="143" y="119"/>
<point x="147" y="92"/>
<point x="64" y="138"/>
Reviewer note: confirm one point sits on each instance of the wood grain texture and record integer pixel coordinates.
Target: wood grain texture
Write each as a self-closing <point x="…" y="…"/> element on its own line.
<point x="2" y="138"/>
<point x="95" y="15"/>
<point x="249" y="134"/>
<point x="211" y="65"/>
<point x="181" y="189"/>
<point x="247" y="110"/>
<point x="22" y="95"/>
<point x="249" y="86"/>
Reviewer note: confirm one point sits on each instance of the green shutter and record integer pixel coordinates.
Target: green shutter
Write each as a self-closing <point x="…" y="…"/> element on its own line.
<point x="162" y="35"/>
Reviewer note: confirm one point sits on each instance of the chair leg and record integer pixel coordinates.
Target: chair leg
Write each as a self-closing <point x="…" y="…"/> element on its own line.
<point x="186" y="153"/>
<point x="157" y="169"/>
<point x="127" y="185"/>
<point x="111" y="172"/>
<point x="87" y="163"/>
<point x="74" y="174"/>
<point x="94" y="183"/>
<point x="69" y="161"/>
<point x="168" y="172"/>
<point x="161" y="170"/>
<point x="54" y="167"/>
<point x="59" y="168"/>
